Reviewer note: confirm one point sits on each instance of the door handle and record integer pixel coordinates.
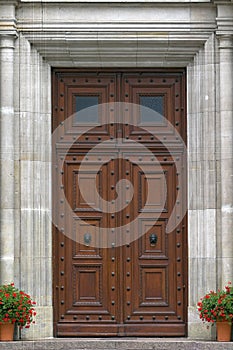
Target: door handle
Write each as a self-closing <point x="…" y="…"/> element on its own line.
<point x="87" y="239"/>
<point x="153" y="239"/>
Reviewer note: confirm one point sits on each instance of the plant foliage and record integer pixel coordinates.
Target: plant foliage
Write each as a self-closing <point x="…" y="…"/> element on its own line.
<point x="217" y="306"/>
<point x="16" y="306"/>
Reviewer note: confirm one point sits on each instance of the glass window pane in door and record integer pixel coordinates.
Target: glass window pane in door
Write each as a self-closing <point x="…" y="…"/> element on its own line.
<point x="154" y="112"/>
<point x="84" y="114"/>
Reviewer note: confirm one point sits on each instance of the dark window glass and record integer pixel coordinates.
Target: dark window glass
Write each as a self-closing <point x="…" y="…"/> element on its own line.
<point x="90" y="115"/>
<point x="156" y="112"/>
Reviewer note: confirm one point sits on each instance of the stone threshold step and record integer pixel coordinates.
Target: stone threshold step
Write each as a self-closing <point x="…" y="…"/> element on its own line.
<point x="119" y="344"/>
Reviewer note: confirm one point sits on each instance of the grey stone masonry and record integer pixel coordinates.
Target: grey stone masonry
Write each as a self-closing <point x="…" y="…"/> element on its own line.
<point x="107" y="344"/>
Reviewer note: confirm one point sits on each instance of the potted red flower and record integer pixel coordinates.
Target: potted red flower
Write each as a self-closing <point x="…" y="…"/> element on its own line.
<point x="218" y="307"/>
<point x="16" y="308"/>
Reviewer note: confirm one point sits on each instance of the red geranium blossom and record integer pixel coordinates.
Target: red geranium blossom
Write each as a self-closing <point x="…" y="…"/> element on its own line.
<point x="16" y="306"/>
<point x="218" y="305"/>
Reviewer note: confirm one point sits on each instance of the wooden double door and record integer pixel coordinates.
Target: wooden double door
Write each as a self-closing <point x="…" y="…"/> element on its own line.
<point x="112" y="277"/>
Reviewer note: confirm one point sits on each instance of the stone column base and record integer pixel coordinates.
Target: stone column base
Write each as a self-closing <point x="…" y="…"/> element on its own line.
<point x="197" y="329"/>
<point x="43" y="328"/>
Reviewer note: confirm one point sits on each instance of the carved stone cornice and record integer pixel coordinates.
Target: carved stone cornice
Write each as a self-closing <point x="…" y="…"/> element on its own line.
<point x="223" y="2"/>
<point x="8" y="23"/>
<point x="71" y="32"/>
<point x="9" y="2"/>
<point x="224" y="17"/>
<point x="226" y="41"/>
<point x="8" y="28"/>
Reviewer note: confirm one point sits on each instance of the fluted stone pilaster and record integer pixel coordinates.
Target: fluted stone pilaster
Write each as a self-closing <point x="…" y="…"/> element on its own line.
<point x="34" y="257"/>
<point x="203" y="173"/>
<point x="7" y="131"/>
<point x="226" y="117"/>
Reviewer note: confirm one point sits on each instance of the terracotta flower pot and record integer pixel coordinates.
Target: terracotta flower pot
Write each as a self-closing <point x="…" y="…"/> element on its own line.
<point x="6" y="332"/>
<point x="223" y="331"/>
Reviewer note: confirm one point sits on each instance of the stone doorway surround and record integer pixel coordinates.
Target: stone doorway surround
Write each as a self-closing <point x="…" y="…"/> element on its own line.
<point x="40" y="34"/>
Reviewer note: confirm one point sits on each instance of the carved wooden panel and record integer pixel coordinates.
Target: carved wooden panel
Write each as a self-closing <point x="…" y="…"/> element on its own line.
<point x="68" y="87"/>
<point x="88" y="283"/>
<point x="171" y="90"/>
<point x="82" y="250"/>
<point x="88" y="181"/>
<point x="153" y="283"/>
<point x="152" y="251"/>
<point x="156" y="200"/>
